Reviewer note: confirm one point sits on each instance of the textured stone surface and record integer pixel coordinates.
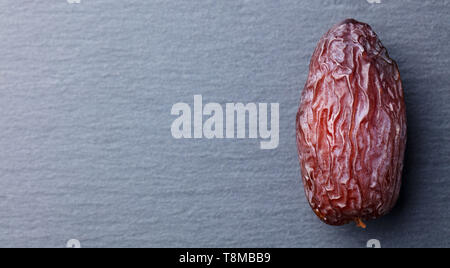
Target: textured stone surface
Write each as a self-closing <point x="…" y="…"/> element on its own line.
<point x="86" y="150"/>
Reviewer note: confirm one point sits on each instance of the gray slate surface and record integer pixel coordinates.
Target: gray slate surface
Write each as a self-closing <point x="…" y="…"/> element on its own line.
<point x="86" y="150"/>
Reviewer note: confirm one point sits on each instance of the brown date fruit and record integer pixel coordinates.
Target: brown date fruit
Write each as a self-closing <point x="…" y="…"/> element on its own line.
<point x="351" y="127"/>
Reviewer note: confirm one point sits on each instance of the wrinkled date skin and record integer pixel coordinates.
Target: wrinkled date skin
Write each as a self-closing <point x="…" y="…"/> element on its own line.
<point x="351" y="127"/>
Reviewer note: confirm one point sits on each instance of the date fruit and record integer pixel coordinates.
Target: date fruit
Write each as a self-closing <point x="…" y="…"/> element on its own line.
<point x="351" y="127"/>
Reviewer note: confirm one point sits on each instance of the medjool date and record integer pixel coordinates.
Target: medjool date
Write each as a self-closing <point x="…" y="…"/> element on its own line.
<point x="351" y="127"/>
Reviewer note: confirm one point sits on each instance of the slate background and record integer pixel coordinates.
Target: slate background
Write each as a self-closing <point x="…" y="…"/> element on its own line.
<point x="85" y="145"/>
